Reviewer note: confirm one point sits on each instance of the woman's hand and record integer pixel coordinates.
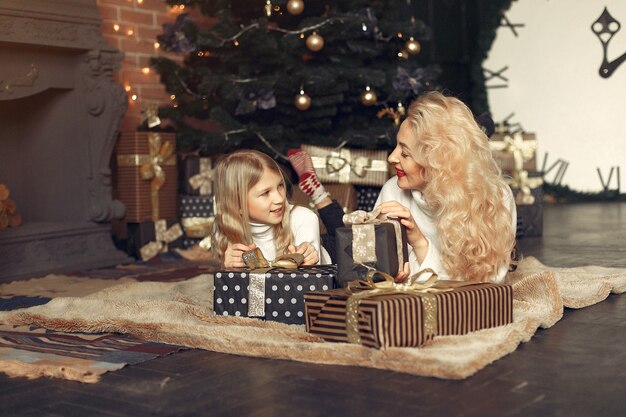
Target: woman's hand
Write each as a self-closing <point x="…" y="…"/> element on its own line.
<point x="311" y="257"/>
<point x="413" y="233"/>
<point x="403" y="274"/>
<point x="233" y="255"/>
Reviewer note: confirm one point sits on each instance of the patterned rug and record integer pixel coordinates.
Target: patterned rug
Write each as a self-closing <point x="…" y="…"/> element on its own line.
<point x="30" y="351"/>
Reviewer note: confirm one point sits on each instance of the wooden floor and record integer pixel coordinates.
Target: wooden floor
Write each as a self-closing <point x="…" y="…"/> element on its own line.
<point x="576" y="368"/>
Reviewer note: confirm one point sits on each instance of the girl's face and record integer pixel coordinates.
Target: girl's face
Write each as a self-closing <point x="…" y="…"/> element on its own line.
<point x="266" y="199"/>
<point x="410" y="174"/>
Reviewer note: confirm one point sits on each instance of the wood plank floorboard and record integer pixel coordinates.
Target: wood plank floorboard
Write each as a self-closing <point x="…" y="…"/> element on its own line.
<point x="576" y="368"/>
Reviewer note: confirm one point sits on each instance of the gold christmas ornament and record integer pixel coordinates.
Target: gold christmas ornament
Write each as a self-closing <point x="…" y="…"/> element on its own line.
<point x="295" y="7"/>
<point x="368" y="97"/>
<point x="314" y="42"/>
<point x="302" y="101"/>
<point x="412" y="46"/>
<point x="403" y="54"/>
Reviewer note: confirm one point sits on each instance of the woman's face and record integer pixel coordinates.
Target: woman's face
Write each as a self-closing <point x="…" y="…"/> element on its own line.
<point x="410" y="174"/>
<point x="266" y="199"/>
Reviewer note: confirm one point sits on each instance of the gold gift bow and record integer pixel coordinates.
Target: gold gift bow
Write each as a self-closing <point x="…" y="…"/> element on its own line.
<point x="259" y="266"/>
<point x="425" y="290"/>
<point x="340" y="162"/>
<point x="522" y="150"/>
<point x="198" y="227"/>
<point x="364" y="235"/>
<point x="163" y="236"/>
<point x="204" y="179"/>
<point x="521" y="181"/>
<point x="151" y="166"/>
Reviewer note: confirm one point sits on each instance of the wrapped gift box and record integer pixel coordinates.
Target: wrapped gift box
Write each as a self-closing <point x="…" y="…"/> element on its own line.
<point x="503" y="146"/>
<point x="196" y="206"/>
<point x="196" y="175"/>
<point x="147" y="197"/>
<point x="530" y="216"/>
<point x="387" y="249"/>
<point x="140" y="234"/>
<point x="366" y="197"/>
<point x="349" y="166"/>
<point x="408" y="319"/>
<point x="276" y="295"/>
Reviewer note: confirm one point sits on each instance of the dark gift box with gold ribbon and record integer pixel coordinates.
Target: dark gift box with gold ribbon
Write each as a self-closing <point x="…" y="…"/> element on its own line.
<point x="349" y="166"/>
<point x="196" y="175"/>
<point x="396" y="316"/>
<point x="146" y="240"/>
<point x="147" y="180"/>
<point x="529" y="203"/>
<point x="370" y="241"/>
<point x="269" y="292"/>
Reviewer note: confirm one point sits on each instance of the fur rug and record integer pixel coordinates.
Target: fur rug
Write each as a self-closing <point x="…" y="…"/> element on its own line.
<point x="180" y="313"/>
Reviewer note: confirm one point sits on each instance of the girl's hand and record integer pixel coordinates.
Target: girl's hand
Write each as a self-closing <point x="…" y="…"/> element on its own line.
<point x="413" y="233"/>
<point x="311" y="257"/>
<point x="403" y="274"/>
<point x="233" y="255"/>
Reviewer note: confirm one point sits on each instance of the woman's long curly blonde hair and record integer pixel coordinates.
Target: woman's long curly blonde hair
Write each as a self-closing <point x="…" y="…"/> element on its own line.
<point x="235" y="175"/>
<point x="464" y="186"/>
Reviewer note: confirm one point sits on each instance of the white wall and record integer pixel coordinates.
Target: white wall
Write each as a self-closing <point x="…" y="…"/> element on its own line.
<point x="555" y="90"/>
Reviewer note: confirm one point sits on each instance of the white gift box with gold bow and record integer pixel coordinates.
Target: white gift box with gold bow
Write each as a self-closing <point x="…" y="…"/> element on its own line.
<point x="349" y="166"/>
<point x="514" y="151"/>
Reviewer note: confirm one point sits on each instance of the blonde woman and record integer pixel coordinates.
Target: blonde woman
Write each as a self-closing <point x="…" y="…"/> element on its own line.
<point x="252" y="211"/>
<point x="449" y="193"/>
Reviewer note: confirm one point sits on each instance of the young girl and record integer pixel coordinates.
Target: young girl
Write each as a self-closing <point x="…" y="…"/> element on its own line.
<point x="252" y="211"/>
<point x="449" y="193"/>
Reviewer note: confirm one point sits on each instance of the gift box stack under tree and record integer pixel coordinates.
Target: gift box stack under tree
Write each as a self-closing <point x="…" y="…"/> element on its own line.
<point x="147" y="184"/>
<point x="271" y="290"/>
<point x="196" y="199"/>
<point x="515" y="153"/>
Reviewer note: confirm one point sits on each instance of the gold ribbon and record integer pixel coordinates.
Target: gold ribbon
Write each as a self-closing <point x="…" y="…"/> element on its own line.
<point x="364" y="235"/>
<point x="522" y="150"/>
<point x="150" y="114"/>
<point x="259" y="266"/>
<point x="163" y="236"/>
<point x="198" y="227"/>
<point x="341" y="163"/>
<point x="203" y="181"/>
<point x="521" y="181"/>
<point x="151" y="166"/>
<point x="425" y="290"/>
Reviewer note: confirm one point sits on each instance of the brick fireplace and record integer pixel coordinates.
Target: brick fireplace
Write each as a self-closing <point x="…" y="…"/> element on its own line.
<point x="59" y="118"/>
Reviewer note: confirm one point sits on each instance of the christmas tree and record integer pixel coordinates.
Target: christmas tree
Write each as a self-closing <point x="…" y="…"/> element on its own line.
<point x="274" y="74"/>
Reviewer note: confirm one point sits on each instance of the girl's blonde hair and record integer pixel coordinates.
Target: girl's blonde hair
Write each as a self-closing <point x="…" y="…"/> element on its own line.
<point x="235" y="175"/>
<point x="464" y="186"/>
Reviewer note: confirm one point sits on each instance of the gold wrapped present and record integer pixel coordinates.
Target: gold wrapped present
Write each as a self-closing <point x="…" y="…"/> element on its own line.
<point x="146" y="175"/>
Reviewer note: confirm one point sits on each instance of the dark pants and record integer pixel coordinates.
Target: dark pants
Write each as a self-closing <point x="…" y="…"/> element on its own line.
<point x="332" y="217"/>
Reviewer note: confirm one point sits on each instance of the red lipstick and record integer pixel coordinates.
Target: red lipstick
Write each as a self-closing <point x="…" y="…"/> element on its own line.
<point x="400" y="173"/>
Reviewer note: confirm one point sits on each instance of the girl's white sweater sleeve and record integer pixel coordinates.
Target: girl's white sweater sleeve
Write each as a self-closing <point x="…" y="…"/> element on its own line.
<point x="306" y="228"/>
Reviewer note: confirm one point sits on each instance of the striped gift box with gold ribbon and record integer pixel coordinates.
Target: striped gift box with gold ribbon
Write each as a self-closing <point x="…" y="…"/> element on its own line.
<point x="401" y="319"/>
<point x="147" y="180"/>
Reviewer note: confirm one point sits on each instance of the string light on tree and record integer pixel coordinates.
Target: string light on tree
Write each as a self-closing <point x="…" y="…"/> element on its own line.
<point x="314" y="42"/>
<point x="403" y="54"/>
<point x="268" y="8"/>
<point x="412" y="46"/>
<point x="295" y="7"/>
<point x="302" y="101"/>
<point x="368" y="97"/>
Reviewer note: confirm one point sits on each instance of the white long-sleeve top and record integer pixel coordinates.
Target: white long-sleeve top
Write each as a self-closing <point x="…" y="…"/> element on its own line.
<point x="305" y="227"/>
<point x="424" y="218"/>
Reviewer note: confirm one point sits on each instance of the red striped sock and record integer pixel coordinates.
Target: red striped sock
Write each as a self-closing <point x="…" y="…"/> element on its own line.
<point x="307" y="178"/>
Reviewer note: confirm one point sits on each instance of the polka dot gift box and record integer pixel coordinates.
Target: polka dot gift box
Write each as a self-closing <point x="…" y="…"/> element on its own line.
<point x="277" y="294"/>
